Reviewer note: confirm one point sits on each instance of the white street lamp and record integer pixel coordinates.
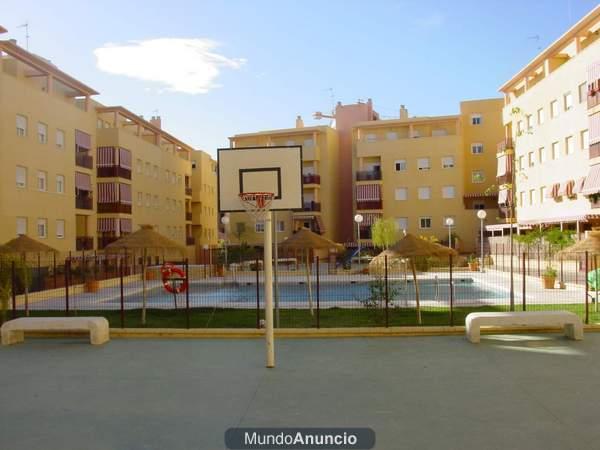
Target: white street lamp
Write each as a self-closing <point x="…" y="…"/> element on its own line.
<point x="225" y="222"/>
<point x="358" y="219"/>
<point x="481" y="214"/>
<point x="450" y="224"/>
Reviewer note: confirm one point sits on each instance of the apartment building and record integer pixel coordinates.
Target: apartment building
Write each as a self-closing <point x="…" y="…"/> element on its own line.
<point x="320" y="183"/>
<point x="78" y="174"/>
<point x="552" y="129"/>
<point x="204" y="209"/>
<point x="421" y="171"/>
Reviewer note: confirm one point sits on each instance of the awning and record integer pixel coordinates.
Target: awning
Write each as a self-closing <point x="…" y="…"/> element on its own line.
<point x="82" y="140"/>
<point x="105" y="156"/>
<point x="503" y="197"/>
<point x="125" y="193"/>
<point x="368" y="192"/>
<point x="555" y="220"/>
<point x="107" y="224"/>
<point x="593" y="72"/>
<point x="578" y="186"/>
<point x="83" y="181"/>
<point x="553" y="191"/>
<point x="126" y="226"/>
<point x="594" y="135"/>
<point x="565" y="189"/>
<point x="107" y="193"/>
<point x="503" y="165"/>
<point x="124" y="158"/>
<point x="370" y="218"/>
<point x="592" y="181"/>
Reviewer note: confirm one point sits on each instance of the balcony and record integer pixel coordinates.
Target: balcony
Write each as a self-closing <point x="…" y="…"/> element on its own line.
<point x="312" y="206"/>
<point x="84" y="243"/>
<point x="368" y="175"/>
<point x="188" y="190"/>
<point x="116" y="208"/>
<point x="84" y="202"/>
<point x="594" y="150"/>
<point x="105" y="240"/>
<point x="311" y="179"/>
<point x="369" y="204"/>
<point x="114" y="171"/>
<point x="84" y="159"/>
<point x="190" y="240"/>
<point x="188" y="216"/>
<point x="504" y="145"/>
<point x="365" y="232"/>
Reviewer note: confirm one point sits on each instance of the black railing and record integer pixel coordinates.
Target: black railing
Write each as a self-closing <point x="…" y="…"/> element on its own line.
<point x="114" y="171"/>
<point x="369" y="204"/>
<point x="84" y="243"/>
<point x="190" y="240"/>
<point x="368" y="175"/>
<point x="118" y="207"/>
<point x="103" y="241"/>
<point x="311" y="179"/>
<point x="312" y="206"/>
<point x="82" y="202"/>
<point x="84" y="159"/>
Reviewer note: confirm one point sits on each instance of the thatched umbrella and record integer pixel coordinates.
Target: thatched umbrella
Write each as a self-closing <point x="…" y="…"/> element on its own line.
<point x="411" y="247"/>
<point x="377" y="264"/>
<point x="591" y="245"/>
<point x="306" y="240"/>
<point x="22" y="245"/>
<point x="144" y="239"/>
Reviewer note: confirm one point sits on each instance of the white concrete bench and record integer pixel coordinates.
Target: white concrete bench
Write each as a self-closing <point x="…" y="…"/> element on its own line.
<point x="13" y="331"/>
<point x="564" y="319"/>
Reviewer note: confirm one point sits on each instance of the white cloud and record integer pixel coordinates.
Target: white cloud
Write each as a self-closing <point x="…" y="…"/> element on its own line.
<point x="190" y="66"/>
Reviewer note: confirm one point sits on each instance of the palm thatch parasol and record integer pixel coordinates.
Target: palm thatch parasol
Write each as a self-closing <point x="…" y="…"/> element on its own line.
<point x="411" y="247"/>
<point x="306" y="240"/>
<point x="376" y="265"/>
<point x="143" y="239"/>
<point x="22" y="245"/>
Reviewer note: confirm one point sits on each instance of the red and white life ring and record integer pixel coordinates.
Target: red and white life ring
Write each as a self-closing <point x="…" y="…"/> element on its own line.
<point x="169" y="273"/>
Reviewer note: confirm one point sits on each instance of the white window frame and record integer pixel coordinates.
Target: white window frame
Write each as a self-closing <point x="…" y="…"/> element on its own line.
<point x="60" y="223"/>
<point x="543" y="194"/>
<point x="42" y="222"/>
<point x="421" y="219"/>
<point x="531" y="159"/>
<point x="542" y="157"/>
<point x="448" y="192"/>
<point x="400" y="163"/>
<point x="568" y="101"/>
<point x="21" y="181"/>
<point x="42" y="180"/>
<point x="477" y="148"/>
<point x="476" y="119"/>
<point x="21" y="125"/>
<point x="21" y="224"/>
<point x="60" y="139"/>
<point x="554" y="109"/>
<point x="400" y="226"/>
<point x="400" y="192"/>
<point x="60" y="184"/>
<point x="139" y="166"/>
<point x="569" y="145"/>
<point x="370" y="137"/>
<point x="555" y="150"/>
<point x="541" y="116"/>
<point x="259" y="226"/>
<point x="421" y="191"/>
<point x="391" y="136"/>
<point x="42" y="133"/>
<point x="280" y="226"/>
<point x="532" y="195"/>
<point x="478" y="181"/>
<point x="308" y="143"/>
<point x="584" y="139"/>
<point x="445" y="160"/>
<point x="140" y="199"/>
<point x="422" y="160"/>
<point x="582" y="92"/>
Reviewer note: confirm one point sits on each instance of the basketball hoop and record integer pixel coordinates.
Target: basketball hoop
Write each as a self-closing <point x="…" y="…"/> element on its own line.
<point x="257" y="204"/>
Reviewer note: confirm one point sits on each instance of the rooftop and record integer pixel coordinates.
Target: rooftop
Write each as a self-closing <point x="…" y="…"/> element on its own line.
<point x="303" y="130"/>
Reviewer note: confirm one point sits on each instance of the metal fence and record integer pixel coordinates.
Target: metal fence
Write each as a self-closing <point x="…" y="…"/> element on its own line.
<point x="326" y="292"/>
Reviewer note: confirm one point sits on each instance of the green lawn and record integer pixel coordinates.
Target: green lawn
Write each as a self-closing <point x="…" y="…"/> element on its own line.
<point x="301" y="318"/>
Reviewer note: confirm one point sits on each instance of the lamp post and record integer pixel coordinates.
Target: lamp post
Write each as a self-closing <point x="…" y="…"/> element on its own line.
<point x="481" y="214"/>
<point x="225" y="222"/>
<point x="450" y="224"/>
<point x="358" y="219"/>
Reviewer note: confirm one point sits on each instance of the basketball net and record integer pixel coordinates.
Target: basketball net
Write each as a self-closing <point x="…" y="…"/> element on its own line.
<point x="257" y="204"/>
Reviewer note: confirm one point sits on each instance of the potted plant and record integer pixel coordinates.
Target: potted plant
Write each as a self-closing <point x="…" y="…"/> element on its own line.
<point x="473" y="263"/>
<point x="549" y="277"/>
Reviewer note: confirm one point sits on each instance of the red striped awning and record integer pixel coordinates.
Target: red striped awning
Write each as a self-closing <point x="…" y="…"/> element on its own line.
<point x="593" y="72"/>
<point x="107" y="224"/>
<point x="565" y="189"/>
<point x="368" y="192"/>
<point x="370" y="218"/>
<point x="594" y="134"/>
<point x="107" y="193"/>
<point x="126" y="226"/>
<point x="83" y="181"/>
<point x="105" y="156"/>
<point x="124" y="158"/>
<point x="83" y="140"/>
<point x="578" y="187"/>
<point x="592" y="181"/>
<point x="125" y="193"/>
<point x="503" y="197"/>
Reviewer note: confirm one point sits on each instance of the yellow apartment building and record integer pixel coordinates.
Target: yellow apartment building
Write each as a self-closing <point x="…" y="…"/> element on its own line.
<point x="77" y="174"/>
<point x="552" y="122"/>
<point x="420" y="171"/>
<point x="204" y="210"/>
<point x="320" y="183"/>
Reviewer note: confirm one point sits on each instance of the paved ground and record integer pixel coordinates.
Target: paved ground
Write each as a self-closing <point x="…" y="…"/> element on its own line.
<point x="416" y="393"/>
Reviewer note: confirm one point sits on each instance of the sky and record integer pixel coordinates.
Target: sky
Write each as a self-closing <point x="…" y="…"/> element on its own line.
<point x="212" y="69"/>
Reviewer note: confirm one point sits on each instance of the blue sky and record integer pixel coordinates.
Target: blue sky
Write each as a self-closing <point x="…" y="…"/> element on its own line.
<point x="241" y="66"/>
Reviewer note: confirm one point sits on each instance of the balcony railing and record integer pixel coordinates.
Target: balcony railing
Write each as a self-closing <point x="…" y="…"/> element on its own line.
<point x="365" y="232"/>
<point x="505" y="145"/>
<point x="190" y="240"/>
<point x="118" y="208"/>
<point x="312" y="206"/>
<point x="311" y="179"/>
<point x="84" y="243"/>
<point x="188" y="216"/>
<point x="188" y="190"/>
<point x="84" y="159"/>
<point x="84" y="202"/>
<point x="114" y="171"/>
<point x="103" y="241"/>
<point x="594" y="150"/>
<point x="368" y="175"/>
<point x="369" y="204"/>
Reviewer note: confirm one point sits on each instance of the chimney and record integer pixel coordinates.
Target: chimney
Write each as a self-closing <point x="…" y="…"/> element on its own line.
<point x="155" y="120"/>
<point x="299" y="122"/>
<point x="403" y="113"/>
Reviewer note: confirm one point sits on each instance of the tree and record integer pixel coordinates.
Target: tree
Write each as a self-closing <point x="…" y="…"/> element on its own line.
<point x="384" y="233"/>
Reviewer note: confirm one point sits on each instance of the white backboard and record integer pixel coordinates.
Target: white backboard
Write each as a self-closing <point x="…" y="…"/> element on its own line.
<point x="276" y="169"/>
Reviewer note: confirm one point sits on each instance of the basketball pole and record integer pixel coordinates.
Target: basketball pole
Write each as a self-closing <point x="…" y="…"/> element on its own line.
<point x="268" y="268"/>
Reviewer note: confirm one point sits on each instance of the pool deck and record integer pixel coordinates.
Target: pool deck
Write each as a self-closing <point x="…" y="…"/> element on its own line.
<point x="509" y="392"/>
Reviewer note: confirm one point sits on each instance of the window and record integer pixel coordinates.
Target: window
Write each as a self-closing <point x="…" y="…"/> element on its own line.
<point x="448" y="192"/>
<point x="424" y="223"/>
<point x="280" y="226"/>
<point x="519" y="128"/>
<point x="308" y="143"/>
<point x="148" y="200"/>
<point x="532" y="196"/>
<point x="423" y="164"/>
<point x="391" y="136"/>
<point x="475" y="119"/>
<point x="179" y="179"/>
<point x="584" y="139"/>
<point x="402" y="223"/>
<point x="139" y="166"/>
<point x="522" y="198"/>
<point x="42" y="228"/>
<point x="541" y="117"/>
<point x="155" y="171"/>
<point x="156" y="202"/>
<point x="477" y="148"/>
<point x="528" y="122"/>
<point x="21" y="226"/>
<point x="371" y="137"/>
<point x="21" y="125"/>
<point x="42" y="130"/>
<point x="447" y="162"/>
<point x="193" y="163"/>
<point x="541" y="155"/>
<point x="21" y="177"/>
<point x="569" y="145"/>
<point x="542" y="194"/>
<point x="41" y="180"/>
<point x="173" y="178"/>
<point x="531" y="159"/>
<point x="478" y="205"/>
<point x="400" y="165"/>
<point x="140" y="199"/>
<point x="60" y="138"/>
<point x="424" y="193"/>
<point x="568" y="101"/>
<point x="477" y="176"/>
<point x="554" y="109"/>
<point x="259" y="226"/>
<point x="147" y="169"/>
<point x="60" y="184"/>
<point x="60" y="228"/>
<point x="401" y="193"/>
<point x="520" y="163"/>
<point x="582" y="88"/>
<point x="555" y="150"/>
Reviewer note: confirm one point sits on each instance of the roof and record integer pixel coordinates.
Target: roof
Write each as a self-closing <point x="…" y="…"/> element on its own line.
<point x="2" y="29"/>
<point x="410" y="120"/>
<point x="44" y="66"/>
<point x="303" y="130"/>
<point x="569" y="35"/>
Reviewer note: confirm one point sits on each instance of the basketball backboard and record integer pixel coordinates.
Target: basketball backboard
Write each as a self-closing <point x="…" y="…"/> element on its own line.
<point x="276" y="169"/>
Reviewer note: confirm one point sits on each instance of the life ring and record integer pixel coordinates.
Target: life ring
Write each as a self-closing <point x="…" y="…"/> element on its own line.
<point x="171" y="273"/>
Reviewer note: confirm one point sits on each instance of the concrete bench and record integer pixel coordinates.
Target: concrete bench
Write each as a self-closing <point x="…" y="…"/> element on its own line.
<point x="13" y="331"/>
<point x="564" y="319"/>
